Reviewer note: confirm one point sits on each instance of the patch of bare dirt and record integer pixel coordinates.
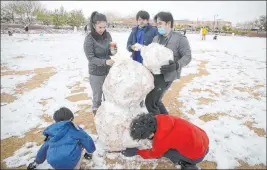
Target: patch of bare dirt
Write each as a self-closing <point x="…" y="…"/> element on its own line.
<point x="10" y="145"/>
<point x="211" y="116"/>
<point x="76" y="88"/>
<point x="162" y="163"/>
<point x="191" y="111"/>
<point x="85" y="118"/>
<point x="244" y="165"/>
<point x="18" y="73"/>
<point x="19" y="57"/>
<point x="207" y="165"/>
<point x="258" y="131"/>
<point x="206" y="90"/>
<point x="205" y="101"/>
<point x="77" y="84"/>
<point x="41" y="76"/>
<point x="7" y="98"/>
<point x="249" y="91"/>
<point x="259" y="86"/>
<point x="43" y="102"/>
<point x="170" y="98"/>
<point x="4" y="67"/>
<point x="47" y="118"/>
<point x="78" y="97"/>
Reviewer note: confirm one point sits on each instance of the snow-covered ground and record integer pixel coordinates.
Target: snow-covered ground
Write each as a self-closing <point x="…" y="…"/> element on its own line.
<point x="234" y="92"/>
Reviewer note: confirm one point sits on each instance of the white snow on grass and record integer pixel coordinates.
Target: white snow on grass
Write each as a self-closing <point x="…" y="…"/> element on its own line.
<point x="236" y="83"/>
<point x="11" y="81"/>
<point x="24" y="156"/>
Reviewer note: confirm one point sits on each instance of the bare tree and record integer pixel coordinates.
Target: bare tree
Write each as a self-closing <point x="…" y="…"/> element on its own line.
<point x="31" y="9"/>
<point x="8" y="11"/>
<point x="111" y="16"/>
<point x="262" y="22"/>
<point x="26" y="10"/>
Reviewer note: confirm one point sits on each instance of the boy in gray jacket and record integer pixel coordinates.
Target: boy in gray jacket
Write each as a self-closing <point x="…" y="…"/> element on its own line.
<point x="179" y="44"/>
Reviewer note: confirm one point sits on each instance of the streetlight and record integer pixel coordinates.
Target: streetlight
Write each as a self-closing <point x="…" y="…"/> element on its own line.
<point x="214" y="21"/>
<point x="217" y="23"/>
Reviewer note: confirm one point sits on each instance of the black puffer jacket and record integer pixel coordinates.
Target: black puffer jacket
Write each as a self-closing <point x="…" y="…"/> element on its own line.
<point x="97" y="52"/>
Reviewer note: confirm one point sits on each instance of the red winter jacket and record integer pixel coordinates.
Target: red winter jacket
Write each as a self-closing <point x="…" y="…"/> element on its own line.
<point x="176" y="133"/>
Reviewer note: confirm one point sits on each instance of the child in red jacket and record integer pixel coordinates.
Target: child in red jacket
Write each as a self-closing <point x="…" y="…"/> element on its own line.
<point x="174" y="138"/>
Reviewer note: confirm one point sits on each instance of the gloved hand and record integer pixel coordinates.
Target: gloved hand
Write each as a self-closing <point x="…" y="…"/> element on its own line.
<point x="88" y="156"/>
<point x="129" y="152"/>
<point x="169" y="68"/>
<point x="32" y="166"/>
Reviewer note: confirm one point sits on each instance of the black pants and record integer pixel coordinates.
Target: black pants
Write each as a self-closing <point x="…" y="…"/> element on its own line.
<point x="176" y="158"/>
<point x="153" y="99"/>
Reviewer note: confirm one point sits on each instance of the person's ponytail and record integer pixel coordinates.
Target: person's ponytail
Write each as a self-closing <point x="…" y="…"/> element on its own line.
<point x="92" y="20"/>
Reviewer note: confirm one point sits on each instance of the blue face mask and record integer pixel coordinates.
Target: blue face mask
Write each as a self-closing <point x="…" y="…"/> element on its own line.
<point x="161" y="31"/>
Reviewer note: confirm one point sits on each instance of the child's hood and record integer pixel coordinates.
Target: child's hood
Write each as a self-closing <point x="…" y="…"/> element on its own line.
<point x="58" y="130"/>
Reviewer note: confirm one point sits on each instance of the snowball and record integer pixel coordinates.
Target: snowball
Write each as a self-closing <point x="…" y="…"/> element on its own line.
<point x="156" y="55"/>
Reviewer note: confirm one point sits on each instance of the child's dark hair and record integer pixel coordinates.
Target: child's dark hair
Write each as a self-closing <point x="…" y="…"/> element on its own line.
<point x="96" y="17"/>
<point x="63" y="114"/>
<point x="164" y="16"/>
<point x="143" y="15"/>
<point x="143" y="126"/>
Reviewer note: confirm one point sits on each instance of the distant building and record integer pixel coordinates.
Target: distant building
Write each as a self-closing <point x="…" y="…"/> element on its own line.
<point x="178" y="24"/>
<point x="187" y="24"/>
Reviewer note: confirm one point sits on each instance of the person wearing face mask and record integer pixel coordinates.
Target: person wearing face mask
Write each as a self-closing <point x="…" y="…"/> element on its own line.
<point x="179" y="44"/>
<point x="97" y="50"/>
<point x="142" y="34"/>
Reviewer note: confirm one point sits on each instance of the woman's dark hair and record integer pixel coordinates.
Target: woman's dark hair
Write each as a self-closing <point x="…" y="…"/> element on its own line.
<point x="164" y="16"/>
<point x="143" y="126"/>
<point x="96" y="17"/>
<point x="143" y="15"/>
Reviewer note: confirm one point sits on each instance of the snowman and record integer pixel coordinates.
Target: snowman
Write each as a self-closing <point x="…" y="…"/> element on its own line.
<point x="126" y="85"/>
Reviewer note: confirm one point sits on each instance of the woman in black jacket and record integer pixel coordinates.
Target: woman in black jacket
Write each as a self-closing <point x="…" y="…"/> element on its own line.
<point x="97" y="51"/>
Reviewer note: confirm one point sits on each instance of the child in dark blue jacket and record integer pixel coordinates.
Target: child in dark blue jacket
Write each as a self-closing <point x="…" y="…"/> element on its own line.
<point x="64" y="143"/>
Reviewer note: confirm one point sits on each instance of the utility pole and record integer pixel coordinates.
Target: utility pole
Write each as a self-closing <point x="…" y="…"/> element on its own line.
<point x="214" y="22"/>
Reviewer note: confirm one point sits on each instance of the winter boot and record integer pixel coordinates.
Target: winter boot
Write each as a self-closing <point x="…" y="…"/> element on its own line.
<point x="187" y="166"/>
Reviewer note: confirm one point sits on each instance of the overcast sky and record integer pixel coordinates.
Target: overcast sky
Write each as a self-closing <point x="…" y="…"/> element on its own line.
<point x="234" y="11"/>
